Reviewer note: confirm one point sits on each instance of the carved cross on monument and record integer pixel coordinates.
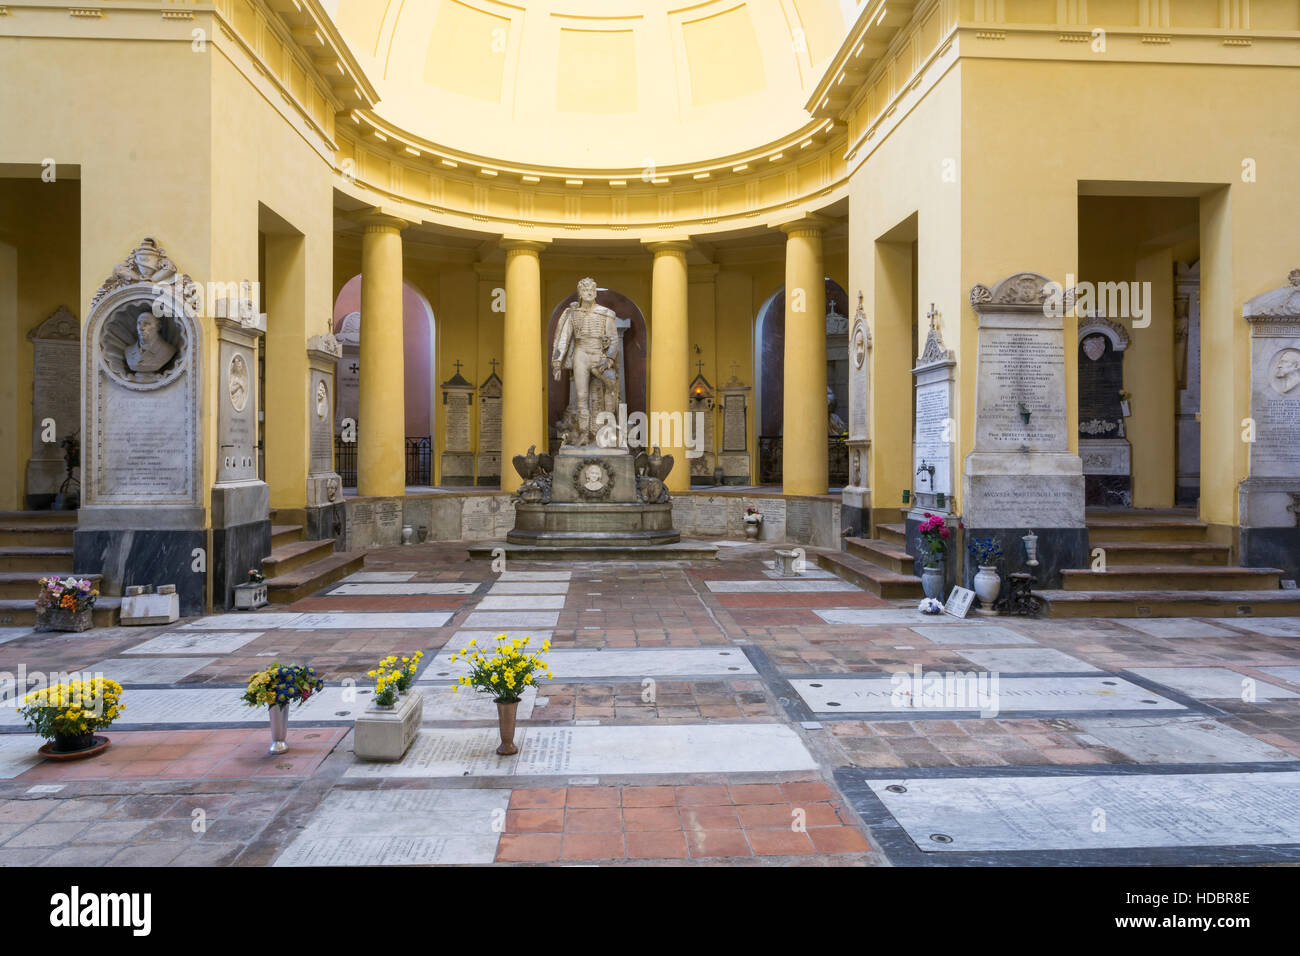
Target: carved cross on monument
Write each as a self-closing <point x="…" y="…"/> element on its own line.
<point x="933" y="315"/>
<point x="457" y="366"/>
<point x="354" y="368"/>
<point x="735" y="369"/>
<point x="493" y="363"/>
<point x="700" y="366"/>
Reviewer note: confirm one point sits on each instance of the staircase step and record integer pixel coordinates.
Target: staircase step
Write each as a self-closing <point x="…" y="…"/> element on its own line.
<point x="295" y="554"/>
<point x="45" y="560"/>
<point x="1163" y="552"/>
<point x="892" y="534"/>
<point x="39" y="517"/>
<point x="1146" y="529"/>
<point x="45" y="533"/>
<point x="881" y="554"/>
<point x="22" y="613"/>
<point x="26" y="584"/>
<point x="306" y="580"/>
<point x="1171" y="578"/>
<point x="870" y="577"/>
<point x="1073" y="604"/>
<point x="285" y="534"/>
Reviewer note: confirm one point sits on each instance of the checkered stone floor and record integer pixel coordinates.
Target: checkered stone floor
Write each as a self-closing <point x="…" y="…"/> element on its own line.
<point x="707" y="713"/>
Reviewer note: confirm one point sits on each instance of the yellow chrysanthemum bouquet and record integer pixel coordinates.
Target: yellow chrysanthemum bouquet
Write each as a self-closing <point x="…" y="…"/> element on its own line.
<point x="504" y="671"/>
<point x="70" y="713"/>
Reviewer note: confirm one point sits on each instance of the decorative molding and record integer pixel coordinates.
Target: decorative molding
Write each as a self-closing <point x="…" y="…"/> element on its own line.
<point x="1100" y="325"/>
<point x="1276" y="306"/>
<point x="149" y="263"/>
<point x="1020" y="290"/>
<point x="61" y="326"/>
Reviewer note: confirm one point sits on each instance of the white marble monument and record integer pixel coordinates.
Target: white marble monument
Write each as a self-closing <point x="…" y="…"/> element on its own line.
<point x="56" y="403"/>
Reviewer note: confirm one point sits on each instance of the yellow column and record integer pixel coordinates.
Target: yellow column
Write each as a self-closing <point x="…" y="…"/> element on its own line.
<point x="669" y="354"/>
<point x="381" y="429"/>
<point x="804" y="429"/>
<point x="286" y="400"/>
<point x="523" y="396"/>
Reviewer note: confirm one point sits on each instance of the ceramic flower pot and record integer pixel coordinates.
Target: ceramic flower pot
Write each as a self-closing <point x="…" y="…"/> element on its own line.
<point x="988" y="584"/>
<point x="279" y="728"/>
<point x="751" y="529"/>
<point x="74" y="747"/>
<point x="506" y="722"/>
<point x="932" y="582"/>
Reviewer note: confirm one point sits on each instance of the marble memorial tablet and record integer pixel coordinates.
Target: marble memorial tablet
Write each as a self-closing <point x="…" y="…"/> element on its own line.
<point x="629" y="664"/>
<point x="956" y="691"/>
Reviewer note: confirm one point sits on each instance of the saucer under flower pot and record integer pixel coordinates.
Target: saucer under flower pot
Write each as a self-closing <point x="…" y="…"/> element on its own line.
<point x="97" y="745"/>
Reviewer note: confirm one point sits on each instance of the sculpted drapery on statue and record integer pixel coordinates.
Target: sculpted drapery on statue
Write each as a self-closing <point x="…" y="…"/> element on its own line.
<point x="587" y="342"/>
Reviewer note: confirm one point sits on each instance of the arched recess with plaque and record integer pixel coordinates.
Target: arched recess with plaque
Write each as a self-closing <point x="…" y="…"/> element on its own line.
<point x="142" y="511"/>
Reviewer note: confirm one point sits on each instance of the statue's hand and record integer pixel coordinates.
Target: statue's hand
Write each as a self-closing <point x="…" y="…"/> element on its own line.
<point x="555" y="372"/>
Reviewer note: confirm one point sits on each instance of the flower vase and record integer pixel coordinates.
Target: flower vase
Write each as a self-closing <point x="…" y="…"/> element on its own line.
<point x="988" y="584"/>
<point x="506" y="722"/>
<point x="279" y="728"/>
<point x="932" y="582"/>
<point x="61" y="619"/>
<point x="751" y="529"/>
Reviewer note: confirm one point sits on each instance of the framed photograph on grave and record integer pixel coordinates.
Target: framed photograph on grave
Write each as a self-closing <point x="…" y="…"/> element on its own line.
<point x="959" y="602"/>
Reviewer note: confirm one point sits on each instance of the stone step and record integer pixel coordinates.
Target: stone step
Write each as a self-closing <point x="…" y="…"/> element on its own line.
<point x="36" y="533"/>
<point x="45" y="560"/>
<point x="39" y="517"/>
<point x="887" y="556"/>
<point x="294" y="555"/>
<point x="1163" y="552"/>
<point x="1170" y="578"/>
<point x="20" y="613"/>
<point x="305" y="580"/>
<point x="1146" y="529"/>
<point x="870" y="577"/>
<point x="1062" y="604"/>
<point x="894" y="535"/>
<point x="679" y="551"/>
<point x="26" y="584"/>
<point x="285" y="534"/>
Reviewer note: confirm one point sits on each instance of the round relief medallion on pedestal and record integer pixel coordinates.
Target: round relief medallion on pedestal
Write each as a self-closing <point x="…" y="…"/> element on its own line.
<point x="593" y="479"/>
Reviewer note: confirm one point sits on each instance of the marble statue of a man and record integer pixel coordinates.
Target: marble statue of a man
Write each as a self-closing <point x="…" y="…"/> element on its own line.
<point x="150" y="352"/>
<point x="587" y="342"/>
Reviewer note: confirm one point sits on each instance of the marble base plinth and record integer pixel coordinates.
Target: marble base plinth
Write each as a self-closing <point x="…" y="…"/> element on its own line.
<point x="631" y="524"/>
<point x="127" y="558"/>
<point x="240" y="503"/>
<point x="235" y="551"/>
<point x="1271" y="548"/>
<point x="387" y="733"/>
<point x="570" y="485"/>
<point x="1058" y="548"/>
<point x="326" y="521"/>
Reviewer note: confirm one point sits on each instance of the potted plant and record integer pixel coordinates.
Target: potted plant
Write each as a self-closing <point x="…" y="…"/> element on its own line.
<point x="1024" y="412"/>
<point x="252" y="593"/>
<point x="504" y="673"/>
<point x="275" y="689"/>
<point x="386" y="729"/>
<point x="753" y="522"/>
<point x="986" y="553"/>
<point x="65" y="604"/>
<point x="67" y="716"/>
<point x="934" y="535"/>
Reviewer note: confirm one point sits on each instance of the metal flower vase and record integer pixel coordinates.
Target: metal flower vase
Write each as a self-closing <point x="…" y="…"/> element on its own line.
<point x="279" y="728"/>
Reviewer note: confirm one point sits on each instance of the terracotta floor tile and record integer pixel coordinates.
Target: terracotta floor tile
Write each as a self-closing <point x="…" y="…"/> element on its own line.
<point x="765" y="815"/>
<point x="656" y="845"/>
<point x="757" y="793"/>
<point x="779" y="842"/>
<point x="702" y="796"/>
<point x="529" y="847"/>
<point x="549" y="820"/>
<point x="595" y="820"/>
<point x="536" y="798"/>
<point x="800" y="793"/>
<point x="650" y="818"/>
<point x="838" y="840"/>
<point x="593" y="846"/>
<point x="593" y="797"/>
<point x="717" y="843"/>
<point x="708" y="818"/>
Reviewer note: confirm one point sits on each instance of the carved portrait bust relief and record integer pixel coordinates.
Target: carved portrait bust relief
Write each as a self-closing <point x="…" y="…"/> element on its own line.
<point x="237" y="382"/>
<point x="1285" y="375"/>
<point x="142" y="346"/>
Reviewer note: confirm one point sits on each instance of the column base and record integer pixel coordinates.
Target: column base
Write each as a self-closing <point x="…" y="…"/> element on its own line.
<point x="128" y="558"/>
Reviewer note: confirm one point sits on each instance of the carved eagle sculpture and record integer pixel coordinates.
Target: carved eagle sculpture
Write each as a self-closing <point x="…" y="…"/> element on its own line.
<point x="532" y="464"/>
<point x="657" y="465"/>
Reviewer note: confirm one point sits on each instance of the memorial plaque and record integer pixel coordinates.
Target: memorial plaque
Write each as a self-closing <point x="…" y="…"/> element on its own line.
<point x="458" y="438"/>
<point x="158" y="670"/>
<point x="1214" y="683"/>
<point x="56" y="395"/>
<point x="734" y="427"/>
<point x="1057" y="812"/>
<point x="347" y="375"/>
<point x="322" y="432"/>
<point x="798" y="521"/>
<point x="773" y="511"/>
<point x="489" y="430"/>
<point x="1025" y="660"/>
<point x="621" y="664"/>
<point x="1021" y="367"/>
<point x="203" y="642"/>
<point x="1179" y="740"/>
<point x="959" y="602"/>
<point x="932" y="443"/>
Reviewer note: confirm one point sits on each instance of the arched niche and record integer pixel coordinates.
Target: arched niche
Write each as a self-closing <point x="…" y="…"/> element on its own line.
<point x="634" y="359"/>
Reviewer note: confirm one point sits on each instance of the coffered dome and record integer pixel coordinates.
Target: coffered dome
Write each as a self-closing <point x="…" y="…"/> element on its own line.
<point x="617" y="84"/>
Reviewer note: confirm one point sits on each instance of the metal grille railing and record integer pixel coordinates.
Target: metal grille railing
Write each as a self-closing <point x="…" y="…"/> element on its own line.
<point x="345" y="461"/>
<point x="419" y="460"/>
<point x="770" y="457"/>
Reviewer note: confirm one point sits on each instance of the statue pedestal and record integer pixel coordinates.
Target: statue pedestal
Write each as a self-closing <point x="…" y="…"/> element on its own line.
<point x="594" y="502"/>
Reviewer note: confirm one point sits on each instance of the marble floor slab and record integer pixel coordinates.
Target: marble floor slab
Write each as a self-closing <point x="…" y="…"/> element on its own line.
<point x="623" y="664"/>
<point x="810" y="570"/>
<point x="529" y="587"/>
<point x="963" y="691"/>
<point x="8" y="634"/>
<point x="359" y="589"/>
<point x="442" y="703"/>
<point x="1178" y="740"/>
<point x="18" y="753"/>
<point x="218" y="705"/>
<point x="460" y="640"/>
<point x="378" y="577"/>
<point x="1288" y="673"/>
<point x="773" y="586"/>
<point x="401" y="828"/>
<point x="1270" y="626"/>
<point x="972" y="635"/>
<point x="1175" y="627"/>
<point x="522" y="602"/>
<point x="270" y="620"/>
<point x="1026" y="660"/>
<point x="983" y="814"/>
<point x="535" y="575"/>
<point x="512" y="619"/>
<point x="1213" y="683"/>
<point x="366" y="620"/>
<point x="883" y="617"/>
<point x="149" y="670"/>
<point x="196" y="642"/>
<point x="601" y="751"/>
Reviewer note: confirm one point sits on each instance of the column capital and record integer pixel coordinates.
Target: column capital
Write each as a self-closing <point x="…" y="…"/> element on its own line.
<point x="809" y="225"/>
<point x="668" y="247"/>
<point x="375" y="220"/>
<point x="516" y="245"/>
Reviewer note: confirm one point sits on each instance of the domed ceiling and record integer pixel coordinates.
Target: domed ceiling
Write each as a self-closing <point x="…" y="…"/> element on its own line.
<point x="604" y="84"/>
